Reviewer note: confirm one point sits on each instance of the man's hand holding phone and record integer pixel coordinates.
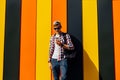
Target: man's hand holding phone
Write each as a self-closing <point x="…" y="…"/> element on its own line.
<point x="58" y="42"/>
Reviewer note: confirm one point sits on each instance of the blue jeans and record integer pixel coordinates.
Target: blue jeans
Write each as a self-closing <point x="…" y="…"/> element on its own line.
<point x="59" y="68"/>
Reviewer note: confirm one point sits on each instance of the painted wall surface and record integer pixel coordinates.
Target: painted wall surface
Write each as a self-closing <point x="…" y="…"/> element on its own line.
<point x="26" y="27"/>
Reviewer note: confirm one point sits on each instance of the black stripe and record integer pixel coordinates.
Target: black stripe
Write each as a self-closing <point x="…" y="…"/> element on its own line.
<point x="106" y="43"/>
<point x="74" y="22"/>
<point x="12" y="40"/>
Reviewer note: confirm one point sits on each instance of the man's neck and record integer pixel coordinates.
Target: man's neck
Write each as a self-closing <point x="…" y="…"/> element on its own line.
<point x="58" y="33"/>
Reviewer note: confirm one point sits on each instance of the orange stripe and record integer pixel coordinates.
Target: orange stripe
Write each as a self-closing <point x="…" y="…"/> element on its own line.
<point x="116" y="23"/>
<point x="28" y="33"/>
<point x="59" y="12"/>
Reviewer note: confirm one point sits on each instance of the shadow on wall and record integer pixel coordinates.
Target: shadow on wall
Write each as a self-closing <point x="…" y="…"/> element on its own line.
<point x="75" y="65"/>
<point x="75" y="68"/>
<point x="90" y="70"/>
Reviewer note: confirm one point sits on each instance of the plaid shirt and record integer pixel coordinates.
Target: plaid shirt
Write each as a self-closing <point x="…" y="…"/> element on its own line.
<point x="52" y="45"/>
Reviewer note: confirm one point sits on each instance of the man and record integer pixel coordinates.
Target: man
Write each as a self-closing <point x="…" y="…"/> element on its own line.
<point x="57" y="59"/>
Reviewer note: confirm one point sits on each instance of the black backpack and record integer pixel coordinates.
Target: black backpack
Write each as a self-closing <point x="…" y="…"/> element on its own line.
<point x="69" y="53"/>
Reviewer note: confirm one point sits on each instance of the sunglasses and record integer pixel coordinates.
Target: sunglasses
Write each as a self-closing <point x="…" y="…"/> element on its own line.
<point x="56" y="28"/>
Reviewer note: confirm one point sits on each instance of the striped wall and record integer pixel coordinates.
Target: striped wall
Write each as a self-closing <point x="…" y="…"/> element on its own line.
<point x="106" y="40"/>
<point x="11" y="64"/>
<point x="74" y="22"/>
<point x="90" y="40"/>
<point x="28" y="40"/>
<point x="42" y="39"/>
<point x="2" y="29"/>
<point x="26" y="27"/>
<point x="116" y="30"/>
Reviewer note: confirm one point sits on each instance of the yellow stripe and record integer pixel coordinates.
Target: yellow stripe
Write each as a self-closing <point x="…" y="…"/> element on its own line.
<point x="43" y="36"/>
<point x="90" y="40"/>
<point x="2" y="27"/>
